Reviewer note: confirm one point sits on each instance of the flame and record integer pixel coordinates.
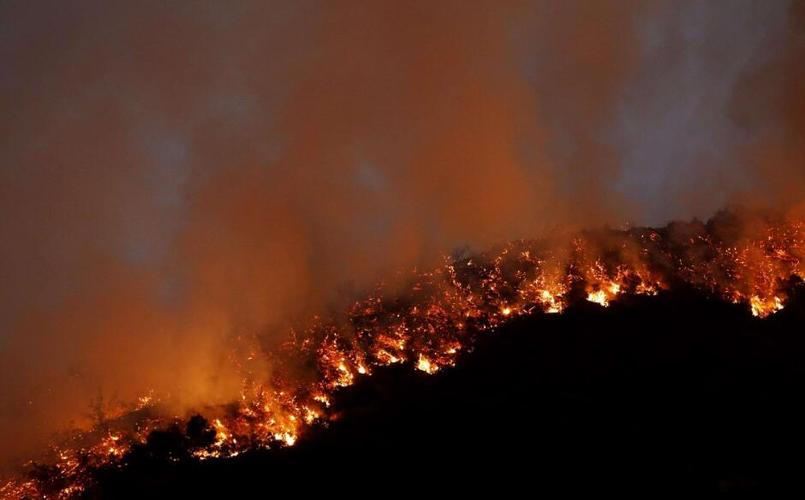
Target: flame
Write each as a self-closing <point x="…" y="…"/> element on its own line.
<point x="426" y="365"/>
<point x="599" y="297"/>
<point x="221" y="433"/>
<point x="551" y="302"/>
<point x="764" y="307"/>
<point x="145" y="401"/>
<point x="603" y="295"/>
<point x="444" y="309"/>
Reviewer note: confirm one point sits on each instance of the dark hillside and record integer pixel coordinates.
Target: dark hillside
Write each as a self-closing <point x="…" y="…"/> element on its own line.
<point x="653" y="394"/>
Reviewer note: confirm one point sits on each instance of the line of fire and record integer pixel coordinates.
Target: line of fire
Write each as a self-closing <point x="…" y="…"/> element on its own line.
<point x="431" y="327"/>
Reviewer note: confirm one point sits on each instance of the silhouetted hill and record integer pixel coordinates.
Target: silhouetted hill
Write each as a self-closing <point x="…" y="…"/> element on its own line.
<point x="674" y="393"/>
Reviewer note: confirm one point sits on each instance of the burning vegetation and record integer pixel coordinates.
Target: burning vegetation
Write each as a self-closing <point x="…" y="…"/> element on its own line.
<point x="438" y="317"/>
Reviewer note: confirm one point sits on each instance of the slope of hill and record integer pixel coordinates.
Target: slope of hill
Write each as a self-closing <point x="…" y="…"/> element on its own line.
<point x="654" y="394"/>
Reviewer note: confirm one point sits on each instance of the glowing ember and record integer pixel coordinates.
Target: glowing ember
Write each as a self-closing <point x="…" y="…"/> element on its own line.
<point x="322" y="399"/>
<point x="286" y="437"/>
<point x="221" y="435"/>
<point x="551" y="302"/>
<point x="599" y="297"/>
<point x="762" y="308"/>
<point x="426" y="365"/>
<point x="443" y="311"/>
<point x="145" y="401"/>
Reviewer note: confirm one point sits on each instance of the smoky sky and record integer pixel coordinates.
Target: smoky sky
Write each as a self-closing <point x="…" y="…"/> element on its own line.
<point x="175" y="173"/>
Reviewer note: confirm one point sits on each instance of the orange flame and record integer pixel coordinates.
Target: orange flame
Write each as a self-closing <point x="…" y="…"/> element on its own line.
<point x="445" y="307"/>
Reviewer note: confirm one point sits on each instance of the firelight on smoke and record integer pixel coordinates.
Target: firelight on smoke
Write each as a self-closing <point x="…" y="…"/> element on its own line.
<point x="439" y="316"/>
<point x="198" y="199"/>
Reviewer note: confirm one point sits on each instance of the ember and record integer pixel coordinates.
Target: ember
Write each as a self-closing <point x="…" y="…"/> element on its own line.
<point x="426" y="366"/>
<point x="440" y="316"/>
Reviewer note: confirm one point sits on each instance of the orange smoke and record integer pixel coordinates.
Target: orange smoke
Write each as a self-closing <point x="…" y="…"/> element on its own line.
<point x="178" y="177"/>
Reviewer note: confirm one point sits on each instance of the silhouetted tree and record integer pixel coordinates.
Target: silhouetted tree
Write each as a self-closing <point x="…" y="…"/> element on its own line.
<point x="199" y="432"/>
<point x="168" y="444"/>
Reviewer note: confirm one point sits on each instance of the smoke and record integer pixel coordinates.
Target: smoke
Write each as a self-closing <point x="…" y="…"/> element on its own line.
<point x="177" y="174"/>
<point x="692" y="109"/>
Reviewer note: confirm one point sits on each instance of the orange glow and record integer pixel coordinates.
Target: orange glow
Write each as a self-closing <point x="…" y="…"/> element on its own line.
<point x="426" y="365"/>
<point x="444" y="308"/>
<point x="764" y="307"/>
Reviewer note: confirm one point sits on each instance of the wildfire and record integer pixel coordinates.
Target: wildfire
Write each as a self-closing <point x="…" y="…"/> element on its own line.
<point x="603" y="295"/>
<point x="764" y="307"/>
<point x="443" y="311"/>
<point x="426" y="366"/>
<point x="286" y="437"/>
<point x="552" y="303"/>
<point x="146" y="401"/>
<point x="599" y="297"/>
<point x="221" y="434"/>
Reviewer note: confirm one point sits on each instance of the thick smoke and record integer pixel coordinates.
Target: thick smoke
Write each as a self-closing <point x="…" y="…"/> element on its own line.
<point x="177" y="174"/>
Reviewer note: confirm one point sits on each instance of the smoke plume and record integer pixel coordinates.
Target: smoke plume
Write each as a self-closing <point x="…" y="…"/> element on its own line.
<point x="177" y="174"/>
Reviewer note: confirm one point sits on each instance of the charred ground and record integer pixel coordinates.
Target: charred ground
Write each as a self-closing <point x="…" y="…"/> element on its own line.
<point x="677" y="392"/>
